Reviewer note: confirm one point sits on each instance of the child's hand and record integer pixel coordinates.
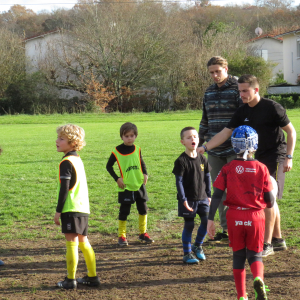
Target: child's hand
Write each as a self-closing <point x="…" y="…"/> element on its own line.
<point x="56" y="218"/>
<point x="209" y="200"/>
<point x="211" y="230"/>
<point x="120" y="183"/>
<point x="145" y="179"/>
<point x="185" y="203"/>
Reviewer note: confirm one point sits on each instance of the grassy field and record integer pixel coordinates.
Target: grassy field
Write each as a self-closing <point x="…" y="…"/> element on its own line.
<point x="29" y="166"/>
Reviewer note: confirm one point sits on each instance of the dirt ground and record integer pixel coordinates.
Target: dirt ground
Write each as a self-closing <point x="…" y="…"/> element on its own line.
<point x="139" y="271"/>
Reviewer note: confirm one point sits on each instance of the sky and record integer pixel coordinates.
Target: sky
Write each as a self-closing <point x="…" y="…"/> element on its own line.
<point x="49" y="5"/>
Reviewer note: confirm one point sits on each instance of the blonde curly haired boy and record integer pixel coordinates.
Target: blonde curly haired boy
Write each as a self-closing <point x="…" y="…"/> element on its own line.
<point x="73" y="206"/>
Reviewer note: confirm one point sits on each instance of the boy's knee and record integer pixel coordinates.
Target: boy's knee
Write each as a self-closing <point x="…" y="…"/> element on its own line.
<point x="124" y="212"/>
<point x="123" y="217"/>
<point x="253" y="256"/>
<point x="189" y="224"/>
<point x="142" y="208"/>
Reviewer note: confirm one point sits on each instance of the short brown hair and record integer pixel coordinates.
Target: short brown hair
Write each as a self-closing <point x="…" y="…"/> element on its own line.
<point x="251" y="79"/>
<point x="184" y="130"/>
<point x="126" y="127"/>
<point x="218" y="60"/>
<point x="74" y="133"/>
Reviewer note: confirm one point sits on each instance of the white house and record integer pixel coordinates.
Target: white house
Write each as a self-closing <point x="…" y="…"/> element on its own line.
<point x="38" y="51"/>
<point x="36" y="48"/>
<point x="270" y="48"/>
<point x="291" y="54"/>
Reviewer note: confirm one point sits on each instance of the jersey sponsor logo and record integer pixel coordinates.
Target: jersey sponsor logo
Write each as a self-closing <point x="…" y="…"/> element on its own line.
<point x="249" y="170"/>
<point x="202" y="167"/>
<point x="239" y="169"/>
<point x="241" y="223"/>
<point x="132" y="168"/>
<point x="246" y="120"/>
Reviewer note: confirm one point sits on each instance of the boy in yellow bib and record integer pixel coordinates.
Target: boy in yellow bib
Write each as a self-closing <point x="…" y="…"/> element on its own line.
<point x="131" y="184"/>
<point x="73" y="206"/>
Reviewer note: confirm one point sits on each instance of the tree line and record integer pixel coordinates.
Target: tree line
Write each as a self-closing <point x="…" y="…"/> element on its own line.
<point x="146" y="56"/>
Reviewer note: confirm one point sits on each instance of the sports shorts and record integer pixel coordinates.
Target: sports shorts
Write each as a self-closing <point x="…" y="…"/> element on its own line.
<point x="246" y="229"/>
<point x="276" y="170"/>
<point x="200" y="207"/>
<point x="129" y="197"/>
<point x="72" y="224"/>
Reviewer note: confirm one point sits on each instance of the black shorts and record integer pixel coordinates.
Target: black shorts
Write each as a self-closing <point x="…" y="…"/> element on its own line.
<point x="199" y="207"/>
<point x="72" y="224"/>
<point x="276" y="170"/>
<point x="129" y="197"/>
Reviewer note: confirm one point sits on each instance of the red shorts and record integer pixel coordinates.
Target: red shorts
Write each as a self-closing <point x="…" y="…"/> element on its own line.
<point x="246" y="229"/>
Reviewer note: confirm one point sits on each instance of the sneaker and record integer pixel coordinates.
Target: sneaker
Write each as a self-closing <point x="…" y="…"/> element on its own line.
<point x="190" y="259"/>
<point x="91" y="281"/>
<point x="220" y="237"/>
<point x="1" y="263"/>
<point x="260" y="289"/>
<point x="268" y="250"/>
<point x="278" y="244"/>
<point x="67" y="284"/>
<point x="122" y="241"/>
<point x="243" y="298"/>
<point x="198" y="252"/>
<point x="146" y="238"/>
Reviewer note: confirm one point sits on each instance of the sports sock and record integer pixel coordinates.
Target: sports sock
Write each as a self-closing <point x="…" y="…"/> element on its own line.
<point x="142" y="223"/>
<point x="257" y="269"/>
<point x="89" y="257"/>
<point x="240" y="282"/>
<point x="201" y="233"/>
<point x="122" y="229"/>
<point x="72" y="258"/>
<point x="187" y="236"/>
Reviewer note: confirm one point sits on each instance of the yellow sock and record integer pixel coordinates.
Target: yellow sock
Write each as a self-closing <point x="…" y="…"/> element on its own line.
<point x="142" y="223"/>
<point x="72" y="259"/>
<point x="122" y="229"/>
<point x="89" y="257"/>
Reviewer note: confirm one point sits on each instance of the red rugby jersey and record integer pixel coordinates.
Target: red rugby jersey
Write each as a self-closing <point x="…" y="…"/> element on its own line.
<point x="246" y="182"/>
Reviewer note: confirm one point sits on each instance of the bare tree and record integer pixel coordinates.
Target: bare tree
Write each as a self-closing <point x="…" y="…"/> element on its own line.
<point x="12" y="59"/>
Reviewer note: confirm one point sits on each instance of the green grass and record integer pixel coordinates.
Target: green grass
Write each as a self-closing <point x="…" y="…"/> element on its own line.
<point x="29" y="166"/>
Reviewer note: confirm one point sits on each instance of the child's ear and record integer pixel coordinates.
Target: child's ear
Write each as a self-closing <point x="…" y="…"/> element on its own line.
<point x="181" y="141"/>
<point x="73" y="145"/>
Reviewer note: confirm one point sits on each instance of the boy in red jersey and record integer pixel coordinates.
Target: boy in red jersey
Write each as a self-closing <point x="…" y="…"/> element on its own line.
<point x="249" y="189"/>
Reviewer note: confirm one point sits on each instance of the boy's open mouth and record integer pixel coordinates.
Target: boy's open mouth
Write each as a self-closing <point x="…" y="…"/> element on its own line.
<point x="193" y="144"/>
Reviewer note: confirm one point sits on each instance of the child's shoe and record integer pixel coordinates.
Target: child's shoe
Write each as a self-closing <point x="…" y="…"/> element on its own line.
<point x="190" y="259"/>
<point x="67" y="284"/>
<point x="90" y="281"/>
<point x="122" y="241"/>
<point x="260" y="289"/>
<point x="220" y="237"/>
<point x="198" y="252"/>
<point x="145" y="238"/>
<point x="243" y="298"/>
<point x="1" y="263"/>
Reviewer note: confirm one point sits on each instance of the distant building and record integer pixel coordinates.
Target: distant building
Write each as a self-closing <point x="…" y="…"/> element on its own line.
<point x="38" y="51"/>
<point x="291" y="54"/>
<point x="270" y="48"/>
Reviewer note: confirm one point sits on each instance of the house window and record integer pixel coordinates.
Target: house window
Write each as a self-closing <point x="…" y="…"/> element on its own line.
<point x="298" y="48"/>
<point x="262" y="53"/>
